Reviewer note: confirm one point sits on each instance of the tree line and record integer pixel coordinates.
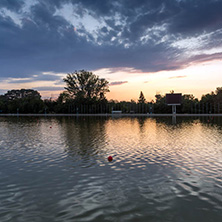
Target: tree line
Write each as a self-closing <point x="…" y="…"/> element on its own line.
<point x="85" y="92"/>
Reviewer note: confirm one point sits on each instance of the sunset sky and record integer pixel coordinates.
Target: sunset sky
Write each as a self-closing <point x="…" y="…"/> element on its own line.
<point x="153" y="46"/>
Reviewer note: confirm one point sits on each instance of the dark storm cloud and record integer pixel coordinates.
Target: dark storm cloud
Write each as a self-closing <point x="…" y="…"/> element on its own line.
<point x="137" y="34"/>
<point x="188" y="17"/>
<point x="13" y="5"/>
<point x="197" y="16"/>
<point x="97" y="7"/>
<point x="44" y="43"/>
<point x="206" y="58"/>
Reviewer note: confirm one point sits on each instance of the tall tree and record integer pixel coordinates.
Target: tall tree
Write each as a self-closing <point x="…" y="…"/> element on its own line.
<point x="86" y="85"/>
<point x="141" y="98"/>
<point x="218" y="96"/>
<point x="189" y="102"/>
<point x="208" y="98"/>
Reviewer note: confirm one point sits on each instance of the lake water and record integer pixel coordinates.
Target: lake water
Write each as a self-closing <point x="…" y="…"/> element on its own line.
<point x="56" y="169"/>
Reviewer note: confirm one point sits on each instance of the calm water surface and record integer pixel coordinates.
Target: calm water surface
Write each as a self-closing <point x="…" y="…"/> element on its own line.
<point x="56" y="169"/>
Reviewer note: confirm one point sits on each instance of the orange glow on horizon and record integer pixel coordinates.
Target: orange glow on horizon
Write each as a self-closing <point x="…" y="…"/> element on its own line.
<point x="198" y="79"/>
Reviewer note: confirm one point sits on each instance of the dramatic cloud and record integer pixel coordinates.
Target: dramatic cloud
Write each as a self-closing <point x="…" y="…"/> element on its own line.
<point x="39" y="36"/>
<point x="12" y="4"/>
<point x="40" y="77"/>
<point x="118" y="83"/>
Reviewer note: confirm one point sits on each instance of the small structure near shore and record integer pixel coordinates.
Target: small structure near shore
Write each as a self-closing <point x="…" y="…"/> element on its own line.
<point x="116" y="112"/>
<point x="174" y="99"/>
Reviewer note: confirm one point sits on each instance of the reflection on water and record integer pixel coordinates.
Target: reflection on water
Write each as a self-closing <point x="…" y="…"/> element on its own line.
<point x="84" y="137"/>
<point x="56" y="169"/>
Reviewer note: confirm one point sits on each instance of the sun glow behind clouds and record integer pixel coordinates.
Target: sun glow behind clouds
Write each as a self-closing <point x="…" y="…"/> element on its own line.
<point x="128" y="82"/>
<point x="191" y="80"/>
<point x="128" y="33"/>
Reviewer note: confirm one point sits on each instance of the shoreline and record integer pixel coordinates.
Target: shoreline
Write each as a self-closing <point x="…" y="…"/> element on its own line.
<point x="108" y="115"/>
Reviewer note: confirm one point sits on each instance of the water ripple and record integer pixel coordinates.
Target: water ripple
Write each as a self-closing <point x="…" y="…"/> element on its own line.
<point x="56" y="169"/>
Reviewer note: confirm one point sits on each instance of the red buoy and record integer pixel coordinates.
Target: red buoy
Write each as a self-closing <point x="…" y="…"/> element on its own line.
<point x="110" y="158"/>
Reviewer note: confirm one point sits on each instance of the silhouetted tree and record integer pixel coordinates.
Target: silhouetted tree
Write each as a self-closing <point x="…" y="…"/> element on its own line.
<point x="208" y="98"/>
<point x="218" y="96"/>
<point x="23" y="101"/>
<point x="189" y="103"/>
<point x="85" y="86"/>
<point x="22" y="93"/>
<point x="141" y="98"/>
<point x="3" y="105"/>
<point x="160" y="105"/>
<point x="212" y="102"/>
<point x="64" y="97"/>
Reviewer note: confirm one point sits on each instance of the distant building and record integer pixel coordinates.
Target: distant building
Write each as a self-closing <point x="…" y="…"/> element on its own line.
<point x="173" y="99"/>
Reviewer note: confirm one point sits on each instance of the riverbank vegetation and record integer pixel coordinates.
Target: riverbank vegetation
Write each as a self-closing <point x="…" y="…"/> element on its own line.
<point x="86" y="93"/>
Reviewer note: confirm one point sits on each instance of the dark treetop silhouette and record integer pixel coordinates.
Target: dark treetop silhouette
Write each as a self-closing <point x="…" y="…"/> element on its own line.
<point x="86" y="85"/>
